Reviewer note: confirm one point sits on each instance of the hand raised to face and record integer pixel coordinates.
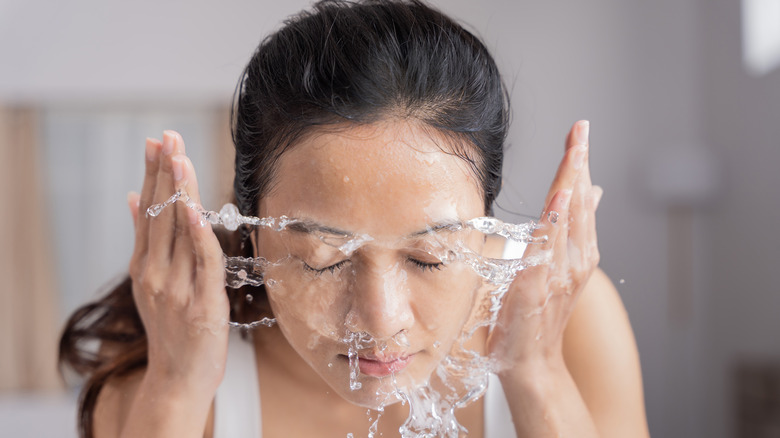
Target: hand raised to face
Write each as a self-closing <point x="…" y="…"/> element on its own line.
<point x="541" y="299"/>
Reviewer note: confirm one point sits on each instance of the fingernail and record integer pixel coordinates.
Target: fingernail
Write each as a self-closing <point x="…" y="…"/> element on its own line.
<point x="130" y="197"/>
<point x="151" y="149"/>
<point x="579" y="157"/>
<point x="583" y="130"/>
<point x="168" y="139"/>
<point x="177" y="163"/>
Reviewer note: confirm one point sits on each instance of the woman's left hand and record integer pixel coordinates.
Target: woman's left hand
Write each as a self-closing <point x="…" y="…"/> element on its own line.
<point x="537" y="307"/>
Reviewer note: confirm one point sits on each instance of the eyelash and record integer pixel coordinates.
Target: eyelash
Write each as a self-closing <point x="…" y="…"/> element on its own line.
<point x="332" y="268"/>
<point x="427" y="266"/>
<point x="336" y="266"/>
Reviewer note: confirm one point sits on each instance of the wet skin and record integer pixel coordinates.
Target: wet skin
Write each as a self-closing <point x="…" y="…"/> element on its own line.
<point x="390" y="180"/>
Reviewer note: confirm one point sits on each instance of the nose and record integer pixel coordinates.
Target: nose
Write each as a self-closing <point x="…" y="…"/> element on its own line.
<point x="381" y="303"/>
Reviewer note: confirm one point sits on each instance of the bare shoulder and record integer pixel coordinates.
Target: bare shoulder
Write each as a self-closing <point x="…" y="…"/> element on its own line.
<point x="114" y="402"/>
<point x="602" y="357"/>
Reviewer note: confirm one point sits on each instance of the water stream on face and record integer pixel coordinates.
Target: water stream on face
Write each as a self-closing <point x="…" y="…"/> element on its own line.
<point x="461" y="377"/>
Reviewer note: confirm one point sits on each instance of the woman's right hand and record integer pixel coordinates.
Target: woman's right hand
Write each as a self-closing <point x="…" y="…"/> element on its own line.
<point x="178" y="279"/>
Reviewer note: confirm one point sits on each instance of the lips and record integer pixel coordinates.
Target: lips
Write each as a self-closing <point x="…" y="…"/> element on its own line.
<point x="381" y="367"/>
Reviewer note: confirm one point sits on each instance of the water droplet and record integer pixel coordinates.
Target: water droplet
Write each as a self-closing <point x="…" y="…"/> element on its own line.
<point x="401" y="339"/>
<point x="330" y="364"/>
<point x="436" y="344"/>
<point x="230" y="217"/>
<point x="552" y="217"/>
<point x="354" y="367"/>
<point x="346" y="179"/>
<point x="622" y="281"/>
<point x="249" y="298"/>
<point x="154" y="210"/>
<point x="267" y="322"/>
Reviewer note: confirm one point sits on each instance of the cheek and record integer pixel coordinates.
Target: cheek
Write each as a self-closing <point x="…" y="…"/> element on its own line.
<point x="306" y="309"/>
<point x="444" y="305"/>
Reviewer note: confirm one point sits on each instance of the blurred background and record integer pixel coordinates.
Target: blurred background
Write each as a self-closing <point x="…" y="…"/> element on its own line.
<point x="684" y="102"/>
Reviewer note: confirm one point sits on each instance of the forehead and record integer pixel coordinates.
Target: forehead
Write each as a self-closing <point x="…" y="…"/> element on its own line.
<point x="390" y="177"/>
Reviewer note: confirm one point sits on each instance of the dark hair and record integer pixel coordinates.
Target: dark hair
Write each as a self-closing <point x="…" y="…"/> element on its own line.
<point x="359" y="63"/>
<point x="340" y="63"/>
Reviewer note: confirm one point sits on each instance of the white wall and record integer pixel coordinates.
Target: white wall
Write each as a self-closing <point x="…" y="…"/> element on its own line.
<point x="96" y="50"/>
<point x="742" y="114"/>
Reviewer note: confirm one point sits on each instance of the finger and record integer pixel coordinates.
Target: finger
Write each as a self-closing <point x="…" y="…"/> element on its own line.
<point x="561" y="244"/>
<point x="579" y="217"/>
<point x="579" y="226"/>
<point x="190" y="178"/>
<point x="153" y="147"/>
<point x="162" y="227"/>
<point x="573" y="159"/>
<point x="578" y="134"/>
<point x="183" y="258"/>
<point x="598" y="192"/>
<point x="551" y="226"/>
<point x="133" y="198"/>
<point x="209" y="262"/>
<point x="595" y="196"/>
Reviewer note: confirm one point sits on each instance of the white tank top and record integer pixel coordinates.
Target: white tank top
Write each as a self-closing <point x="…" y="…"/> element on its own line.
<point x="237" y="410"/>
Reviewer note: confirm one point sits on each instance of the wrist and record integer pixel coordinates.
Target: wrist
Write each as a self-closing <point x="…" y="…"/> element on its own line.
<point x="164" y="407"/>
<point x="545" y="401"/>
<point x="535" y="375"/>
<point x="188" y="380"/>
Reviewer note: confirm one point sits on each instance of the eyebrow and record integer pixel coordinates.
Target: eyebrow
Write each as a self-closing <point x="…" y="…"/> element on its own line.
<point x="308" y="226"/>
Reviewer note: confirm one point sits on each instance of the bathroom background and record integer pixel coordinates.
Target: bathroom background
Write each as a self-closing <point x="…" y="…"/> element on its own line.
<point x="684" y="102"/>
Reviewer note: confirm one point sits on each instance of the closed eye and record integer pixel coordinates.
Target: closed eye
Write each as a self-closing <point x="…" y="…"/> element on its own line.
<point x="332" y="268"/>
<point x="426" y="266"/>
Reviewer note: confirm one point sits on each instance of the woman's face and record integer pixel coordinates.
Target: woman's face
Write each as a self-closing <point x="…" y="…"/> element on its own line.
<point x="391" y="186"/>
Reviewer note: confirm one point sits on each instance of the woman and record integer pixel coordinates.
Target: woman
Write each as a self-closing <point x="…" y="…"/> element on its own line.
<point x="384" y="120"/>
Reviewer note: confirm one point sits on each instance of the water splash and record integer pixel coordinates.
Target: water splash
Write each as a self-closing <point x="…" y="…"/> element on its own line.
<point x="229" y="216"/>
<point x="241" y="271"/>
<point x="462" y="376"/>
<point x="517" y="232"/>
<point x="265" y="322"/>
<point x="354" y="369"/>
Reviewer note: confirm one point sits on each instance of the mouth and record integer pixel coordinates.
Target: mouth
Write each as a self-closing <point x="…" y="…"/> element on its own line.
<point x="384" y="366"/>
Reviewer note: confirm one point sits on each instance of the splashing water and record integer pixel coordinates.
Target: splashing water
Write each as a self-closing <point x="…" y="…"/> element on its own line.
<point x="461" y="377"/>
<point x="228" y="216"/>
<point x="354" y="366"/>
